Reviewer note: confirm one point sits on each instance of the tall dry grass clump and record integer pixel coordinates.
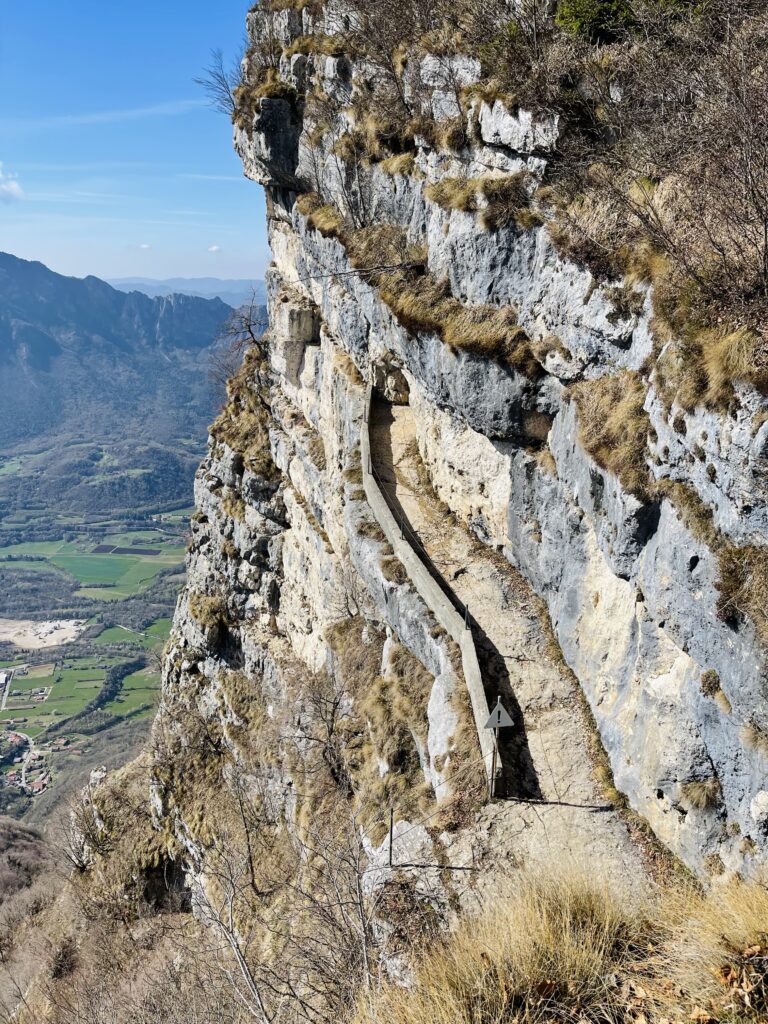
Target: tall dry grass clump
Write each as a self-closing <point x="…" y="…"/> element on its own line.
<point x="713" y="962"/>
<point x="546" y="952"/>
<point x="502" y="200"/>
<point x="743" y="587"/>
<point x="569" y="949"/>
<point x="424" y="303"/>
<point x="614" y="427"/>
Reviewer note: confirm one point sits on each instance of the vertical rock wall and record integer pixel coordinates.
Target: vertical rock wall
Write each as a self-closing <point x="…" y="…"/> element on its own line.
<point x="288" y="547"/>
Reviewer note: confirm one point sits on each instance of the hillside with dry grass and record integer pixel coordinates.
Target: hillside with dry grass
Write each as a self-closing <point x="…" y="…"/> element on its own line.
<point x="505" y="440"/>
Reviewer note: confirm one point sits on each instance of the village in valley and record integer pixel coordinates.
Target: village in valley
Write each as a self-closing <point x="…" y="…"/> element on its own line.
<point x="26" y="688"/>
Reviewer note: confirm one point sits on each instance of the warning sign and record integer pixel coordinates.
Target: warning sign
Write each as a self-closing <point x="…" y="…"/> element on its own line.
<point x="500" y="717"/>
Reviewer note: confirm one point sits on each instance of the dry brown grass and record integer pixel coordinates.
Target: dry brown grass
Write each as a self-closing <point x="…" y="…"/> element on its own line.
<point x="382" y="246"/>
<point x="713" y="956"/>
<point x="703" y="794"/>
<point x="743" y="587"/>
<point x="757" y="738"/>
<point x="316" y="452"/>
<point x="423" y="303"/>
<point x="708" y="363"/>
<point x="322" y="217"/>
<point x="389" y="709"/>
<point x="208" y="611"/>
<point x="508" y="203"/>
<point x="613" y="427"/>
<point x="695" y="514"/>
<point x="566" y="948"/>
<point x="315" y="6"/>
<point x="371" y="530"/>
<point x="403" y="164"/>
<point x="502" y="200"/>
<point x="454" y="193"/>
<point x="243" y="424"/>
<point x="233" y="504"/>
<point x="330" y="46"/>
<point x="449" y="135"/>
<point x="545" y="952"/>
<point x="710" y="683"/>
<point x="394" y="571"/>
<point x="248" y="95"/>
<point x="742" y="571"/>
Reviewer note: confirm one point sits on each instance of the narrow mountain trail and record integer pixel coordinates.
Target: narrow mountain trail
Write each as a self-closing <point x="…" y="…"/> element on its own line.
<point x="550" y="809"/>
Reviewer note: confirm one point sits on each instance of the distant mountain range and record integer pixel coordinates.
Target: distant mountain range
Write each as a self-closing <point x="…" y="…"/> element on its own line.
<point x="235" y="293"/>
<point x="105" y="397"/>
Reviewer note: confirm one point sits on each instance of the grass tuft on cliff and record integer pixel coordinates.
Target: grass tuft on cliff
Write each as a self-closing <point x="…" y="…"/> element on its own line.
<point x="422" y="302"/>
<point x="614" y="425"/>
<point x="702" y="794"/>
<point x="501" y="200"/>
<point x="243" y="424"/>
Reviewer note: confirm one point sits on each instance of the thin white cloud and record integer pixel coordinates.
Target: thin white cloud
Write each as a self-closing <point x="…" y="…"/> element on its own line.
<point x="10" y="189"/>
<point x="91" y="167"/>
<point x="214" y="248"/>
<point x="145" y="246"/>
<point x="172" y="109"/>
<point x="87" y="198"/>
<point x="213" y="177"/>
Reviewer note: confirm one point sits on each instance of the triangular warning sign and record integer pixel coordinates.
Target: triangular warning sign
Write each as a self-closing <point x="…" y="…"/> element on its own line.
<point x="500" y="718"/>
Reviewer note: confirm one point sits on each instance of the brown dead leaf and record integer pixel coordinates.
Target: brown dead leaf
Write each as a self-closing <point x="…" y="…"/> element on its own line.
<point x="702" y="1016"/>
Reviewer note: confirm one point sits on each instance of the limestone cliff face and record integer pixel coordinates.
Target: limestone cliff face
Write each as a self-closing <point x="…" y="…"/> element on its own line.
<point x="291" y="579"/>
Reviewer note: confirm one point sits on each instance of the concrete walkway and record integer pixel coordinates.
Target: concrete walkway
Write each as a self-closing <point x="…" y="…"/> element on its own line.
<point x="550" y="807"/>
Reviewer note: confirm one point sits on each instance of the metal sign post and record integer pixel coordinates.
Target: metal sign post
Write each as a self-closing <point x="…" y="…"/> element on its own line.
<point x="500" y="719"/>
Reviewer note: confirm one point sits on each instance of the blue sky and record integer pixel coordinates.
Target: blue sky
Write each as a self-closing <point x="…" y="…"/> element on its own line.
<point x="111" y="162"/>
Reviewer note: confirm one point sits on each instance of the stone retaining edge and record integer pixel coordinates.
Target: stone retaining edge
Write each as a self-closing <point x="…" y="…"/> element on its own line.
<point x="429" y="591"/>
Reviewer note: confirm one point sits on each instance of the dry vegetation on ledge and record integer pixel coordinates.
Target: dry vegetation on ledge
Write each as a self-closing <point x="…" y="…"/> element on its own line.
<point x="668" y="191"/>
<point x="243" y="423"/>
<point x="570" y="949"/>
<point x="501" y="201"/>
<point x="614" y="428"/>
<point x="419" y="301"/>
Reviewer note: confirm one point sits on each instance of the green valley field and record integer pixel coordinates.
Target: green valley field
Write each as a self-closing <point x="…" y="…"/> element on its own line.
<point x="89" y="701"/>
<point x="102" y="574"/>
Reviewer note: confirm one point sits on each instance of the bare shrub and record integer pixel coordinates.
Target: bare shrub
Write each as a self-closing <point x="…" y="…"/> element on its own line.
<point x="245" y="328"/>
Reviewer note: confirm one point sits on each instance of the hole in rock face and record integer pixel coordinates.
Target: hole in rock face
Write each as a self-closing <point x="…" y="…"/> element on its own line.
<point x="693" y="562"/>
<point x="639" y="599"/>
<point x="659" y="794"/>
<point x="536" y="425"/>
<point x="746" y="509"/>
<point x="165" y="887"/>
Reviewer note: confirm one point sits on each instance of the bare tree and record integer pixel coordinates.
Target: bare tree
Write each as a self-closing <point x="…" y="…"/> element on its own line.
<point x="319" y="926"/>
<point x="219" y="82"/>
<point x="244" y="329"/>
